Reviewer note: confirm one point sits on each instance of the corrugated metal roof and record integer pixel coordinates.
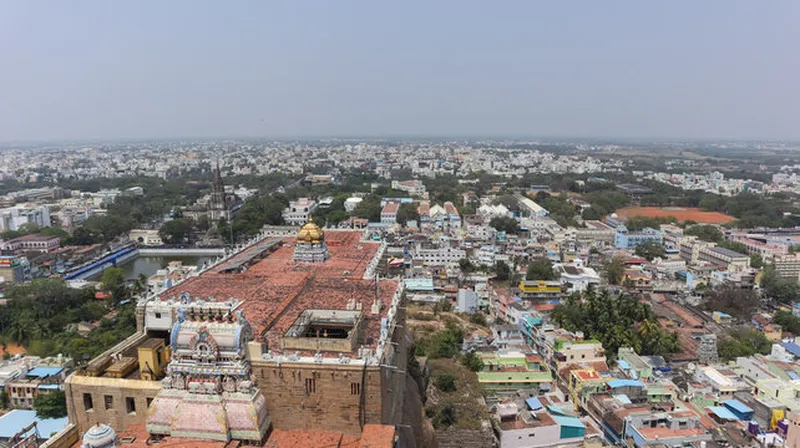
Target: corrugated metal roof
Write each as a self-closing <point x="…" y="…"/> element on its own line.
<point x="624" y="383"/>
<point x="723" y="412"/>
<point x="533" y="403"/>
<point x="565" y="420"/>
<point x="737" y="406"/>
<point x="14" y="421"/>
<point x="42" y="372"/>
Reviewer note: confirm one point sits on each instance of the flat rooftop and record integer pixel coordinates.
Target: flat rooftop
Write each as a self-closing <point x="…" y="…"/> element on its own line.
<point x="275" y="290"/>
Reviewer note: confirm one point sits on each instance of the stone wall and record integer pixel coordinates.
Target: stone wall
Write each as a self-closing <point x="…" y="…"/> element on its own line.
<point x="334" y="402"/>
<point x="113" y="411"/>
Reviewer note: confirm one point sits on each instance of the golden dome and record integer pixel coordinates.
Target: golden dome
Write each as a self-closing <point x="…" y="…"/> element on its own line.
<point x="310" y="233"/>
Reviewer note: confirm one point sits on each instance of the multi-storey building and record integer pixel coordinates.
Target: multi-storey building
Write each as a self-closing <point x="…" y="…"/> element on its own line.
<point x="299" y="211"/>
<point x="787" y="266"/>
<point x="626" y="239"/>
<point x="596" y="233"/>
<point x="389" y="213"/>
<point x="412" y="187"/>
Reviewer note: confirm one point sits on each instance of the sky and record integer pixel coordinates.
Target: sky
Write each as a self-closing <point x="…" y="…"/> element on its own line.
<point x="167" y="69"/>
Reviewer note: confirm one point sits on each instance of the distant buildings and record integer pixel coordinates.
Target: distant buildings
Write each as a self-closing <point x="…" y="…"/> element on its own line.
<point x="298" y="212"/>
<point x="625" y="239"/>
<point x="413" y="187"/>
<point x="13" y="218"/>
<point x="389" y="213"/>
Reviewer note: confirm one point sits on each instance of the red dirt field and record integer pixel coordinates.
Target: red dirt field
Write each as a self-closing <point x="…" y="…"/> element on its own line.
<point x="680" y="213"/>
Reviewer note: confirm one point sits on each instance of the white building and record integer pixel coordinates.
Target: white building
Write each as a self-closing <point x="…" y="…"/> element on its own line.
<point x="146" y="237"/>
<point x="299" y="211"/>
<point x="577" y="276"/>
<point x="350" y="204"/>
<point x="530" y="208"/>
<point x="12" y="218"/>
<point x="441" y="256"/>
<point x="389" y="213"/>
<point x="413" y="187"/>
<point x="467" y="301"/>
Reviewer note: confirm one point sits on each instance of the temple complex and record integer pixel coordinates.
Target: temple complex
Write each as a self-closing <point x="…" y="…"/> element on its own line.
<point x="284" y="338"/>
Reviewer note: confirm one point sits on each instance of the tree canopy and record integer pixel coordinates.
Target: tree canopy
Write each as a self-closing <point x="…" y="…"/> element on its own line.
<point x="505" y="224"/>
<point x="616" y="321"/>
<point x="52" y="404"/>
<point x="650" y="250"/>
<point x="541" y="269"/>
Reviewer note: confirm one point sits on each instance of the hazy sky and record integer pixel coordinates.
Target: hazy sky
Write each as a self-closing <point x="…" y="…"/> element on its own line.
<point x="141" y="69"/>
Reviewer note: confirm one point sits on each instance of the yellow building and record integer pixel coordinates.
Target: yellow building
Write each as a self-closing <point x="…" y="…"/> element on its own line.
<point x="540" y="289"/>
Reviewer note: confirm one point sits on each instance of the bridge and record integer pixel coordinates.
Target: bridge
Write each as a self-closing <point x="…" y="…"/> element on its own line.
<point x="179" y="252"/>
<point x="108" y="260"/>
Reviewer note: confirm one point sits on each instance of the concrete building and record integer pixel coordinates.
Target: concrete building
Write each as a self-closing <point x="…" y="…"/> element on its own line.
<point x="625" y="239"/>
<point x="595" y="233"/>
<point x="389" y="213"/>
<point x="299" y="211"/>
<point x="147" y="237"/>
<point x="788" y="266"/>
<point x="31" y="243"/>
<point x="575" y="276"/>
<point x="730" y="260"/>
<point x="440" y="256"/>
<point x="12" y="218"/>
<point x="412" y="187"/>
<point x="467" y="301"/>
<point x="530" y="208"/>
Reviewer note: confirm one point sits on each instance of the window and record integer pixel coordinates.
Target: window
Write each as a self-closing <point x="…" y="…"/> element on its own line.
<point x="109" y="401"/>
<point x="355" y="388"/>
<point x="130" y="405"/>
<point x="149" y="401"/>
<point x="87" y="402"/>
<point x="311" y="385"/>
<point x="583" y="356"/>
<point x="158" y="315"/>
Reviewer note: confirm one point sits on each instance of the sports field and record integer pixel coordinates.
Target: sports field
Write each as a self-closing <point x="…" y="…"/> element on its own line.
<point x="680" y="213"/>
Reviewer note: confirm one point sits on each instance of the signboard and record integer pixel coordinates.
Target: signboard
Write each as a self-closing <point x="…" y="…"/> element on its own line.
<point x="7" y="262"/>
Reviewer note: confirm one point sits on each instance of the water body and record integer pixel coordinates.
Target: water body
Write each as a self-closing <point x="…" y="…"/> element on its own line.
<point x="149" y="265"/>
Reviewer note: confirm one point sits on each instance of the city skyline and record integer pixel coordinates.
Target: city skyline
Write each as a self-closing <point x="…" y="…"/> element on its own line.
<point x="619" y="70"/>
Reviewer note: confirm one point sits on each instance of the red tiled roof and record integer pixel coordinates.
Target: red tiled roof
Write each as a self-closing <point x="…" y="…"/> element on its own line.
<point x="275" y="290"/>
<point x="390" y="208"/>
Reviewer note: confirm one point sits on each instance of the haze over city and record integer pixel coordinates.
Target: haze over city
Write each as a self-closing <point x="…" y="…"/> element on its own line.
<point x="109" y="70"/>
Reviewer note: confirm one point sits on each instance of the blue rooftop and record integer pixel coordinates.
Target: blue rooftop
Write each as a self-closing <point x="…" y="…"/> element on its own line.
<point x="624" y="364"/>
<point x="533" y="403"/>
<point x="622" y="398"/>
<point x="14" y="421"/>
<point x="419" y="284"/>
<point x="49" y="387"/>
<point x="565" y="420"/>
<point x="723" y="413"/>
<point x="624" y="383"/>
<point x="42" y="372"/>
<point x="737" y="406"/>
<point x="792" y="348"/>
<point x="555" y="410"/>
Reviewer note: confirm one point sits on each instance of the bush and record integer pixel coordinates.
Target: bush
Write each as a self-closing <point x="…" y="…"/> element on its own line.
<point x="446" y="382"/>
<point x="472" y="362"/>
<point x="446" y="416"/>
<point x="478" y="319"/>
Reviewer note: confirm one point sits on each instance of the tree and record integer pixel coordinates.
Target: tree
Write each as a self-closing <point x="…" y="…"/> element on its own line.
<point x="650" y="250"/>
<point x="466" y="265"/>
<point x="446" y="416"/>
<point x="472" y="361"/>
<point x="739" y="303"/>
<point x="782" y="290"/>
<point x="501" y="270"/>
<point x="616" y="321"/>
<point x="176" y="231"/>
<point x="505" y="224"/>
<point x="743" y="342"/>
<point x="113" y="281"/>
<point x="407" y="212"/>
<point x="541" y="269"/>
<point x="369" y="208"/>
<point x="446" y="382"/>
<point x="51" y="405"/>
<point x="706" y="233"/>
<point x="615" y="270"/>
<point x="788" y="321"/>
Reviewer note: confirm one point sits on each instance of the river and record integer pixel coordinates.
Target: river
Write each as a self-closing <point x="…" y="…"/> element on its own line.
<point x="149" y="265"/>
